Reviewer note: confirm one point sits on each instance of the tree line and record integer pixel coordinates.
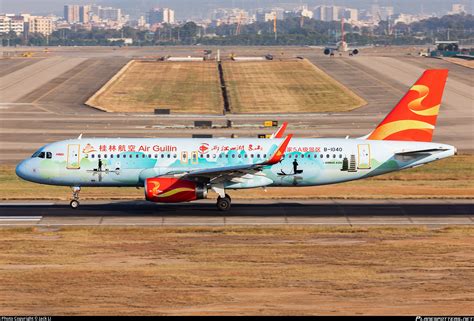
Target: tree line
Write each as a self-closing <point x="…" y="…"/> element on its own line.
<point x="291" y="31"/>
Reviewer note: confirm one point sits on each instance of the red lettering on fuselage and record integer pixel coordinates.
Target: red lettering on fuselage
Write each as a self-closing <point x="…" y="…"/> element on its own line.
<point x="165" y="148"/>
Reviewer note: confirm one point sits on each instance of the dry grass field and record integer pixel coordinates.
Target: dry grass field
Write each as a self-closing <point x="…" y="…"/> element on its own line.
<point x="237" y="270"/>
<point x="287" y="86"/>
<point x="448" y="178"/>
<point x="183" y="87"/>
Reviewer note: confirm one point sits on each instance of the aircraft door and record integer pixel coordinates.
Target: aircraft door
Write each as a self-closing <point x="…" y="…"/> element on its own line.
<point x="184" y="157"/>
<point x="364" y="156"/>
<point x="73" y="156"/>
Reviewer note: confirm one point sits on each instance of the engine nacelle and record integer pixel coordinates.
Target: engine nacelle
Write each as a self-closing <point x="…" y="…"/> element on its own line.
<point x="355" y="51"/>
<point x="327" y="51"/>
<point x="173" y="190"/>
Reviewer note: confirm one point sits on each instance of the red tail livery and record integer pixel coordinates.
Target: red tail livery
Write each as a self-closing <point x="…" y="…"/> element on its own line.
<point x="414" y="117"/>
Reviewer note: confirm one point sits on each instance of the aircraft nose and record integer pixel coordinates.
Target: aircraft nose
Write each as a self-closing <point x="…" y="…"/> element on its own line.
<point x="23" y="170"/>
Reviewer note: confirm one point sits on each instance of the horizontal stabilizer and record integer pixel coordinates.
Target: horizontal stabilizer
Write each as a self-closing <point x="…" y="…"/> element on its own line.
<point x="421" y="151"/>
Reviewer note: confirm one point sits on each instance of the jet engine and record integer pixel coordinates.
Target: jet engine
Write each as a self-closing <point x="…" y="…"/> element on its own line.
<point x="173" y="190"/>
<point x="327" y="51"/>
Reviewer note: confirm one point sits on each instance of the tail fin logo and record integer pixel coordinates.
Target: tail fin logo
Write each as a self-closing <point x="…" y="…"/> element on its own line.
<point x="416" y="105"/>
<point x="414" y="117"/>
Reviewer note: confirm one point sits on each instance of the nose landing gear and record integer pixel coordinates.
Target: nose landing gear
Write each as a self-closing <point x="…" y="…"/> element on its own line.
<point x="75" y="197"/>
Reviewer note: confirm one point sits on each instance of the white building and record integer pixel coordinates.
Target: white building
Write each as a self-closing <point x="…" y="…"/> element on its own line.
<point x="71" y="13"/>
<point x="457" y="8"/>
<point x="334" y="13"/>
<point x="161" y="15"/>
<point x="42" y="25"/>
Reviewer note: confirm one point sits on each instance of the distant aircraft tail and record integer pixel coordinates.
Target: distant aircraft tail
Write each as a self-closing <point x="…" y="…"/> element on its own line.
<point x="414" y="117"/>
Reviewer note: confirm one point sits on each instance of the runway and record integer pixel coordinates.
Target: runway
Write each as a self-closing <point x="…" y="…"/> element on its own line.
<point x="243" y="212"/>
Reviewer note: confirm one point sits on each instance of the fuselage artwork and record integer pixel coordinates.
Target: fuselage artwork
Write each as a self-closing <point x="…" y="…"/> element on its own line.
<point x="180" y="170"/>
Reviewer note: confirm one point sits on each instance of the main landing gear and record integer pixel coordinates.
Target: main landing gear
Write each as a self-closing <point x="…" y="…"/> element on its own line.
<point x="224" y="200"/>
<point x="223" y="203"/>
<point x="75" y="197"/>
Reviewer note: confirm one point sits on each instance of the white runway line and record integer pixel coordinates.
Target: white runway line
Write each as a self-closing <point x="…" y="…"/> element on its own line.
<point x="20" y="218"/>
<point x="26" y="204"/>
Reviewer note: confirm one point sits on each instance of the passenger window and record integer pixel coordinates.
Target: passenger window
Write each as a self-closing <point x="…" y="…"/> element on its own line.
<point x="130" y="156"/>
<point x="92" y="156"/>
<point x="321" y="156"/>
<point x="327" y="155"/>
<point x="111" y="155"/>
<point x="105" y="155"/>
<point x="264" y="155"/>
<point x="169" y="156"/>
<point x="49" y="155"/>
<point x="162" y="155"/>
<point x="143" y="155"/>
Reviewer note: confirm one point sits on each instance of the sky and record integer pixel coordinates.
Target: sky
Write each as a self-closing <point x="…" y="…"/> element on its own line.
<point x="186" y="9"/>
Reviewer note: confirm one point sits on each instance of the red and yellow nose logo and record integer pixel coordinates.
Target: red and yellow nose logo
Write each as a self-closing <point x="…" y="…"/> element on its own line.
<point x="204" y="148"/>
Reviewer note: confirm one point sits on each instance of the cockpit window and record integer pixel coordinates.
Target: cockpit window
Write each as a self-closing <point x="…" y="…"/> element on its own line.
<point x="49" y="155"/>
<point x="41" y="155"/>
<point x="35" y="154"/>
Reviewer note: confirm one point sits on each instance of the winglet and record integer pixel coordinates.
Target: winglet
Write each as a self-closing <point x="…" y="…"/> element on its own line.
<point x="281" y="131"/>
<point x="278" y="155"/>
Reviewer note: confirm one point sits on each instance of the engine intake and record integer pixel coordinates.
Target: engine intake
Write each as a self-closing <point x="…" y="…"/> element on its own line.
<point x="173" y="190"/>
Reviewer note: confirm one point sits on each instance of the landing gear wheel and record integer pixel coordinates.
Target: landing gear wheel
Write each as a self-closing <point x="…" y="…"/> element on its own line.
<point x="75" y="196"/>
<point x="223" y="203"/>
<point x="74" y="204"/>
<point x="228" y="196"/>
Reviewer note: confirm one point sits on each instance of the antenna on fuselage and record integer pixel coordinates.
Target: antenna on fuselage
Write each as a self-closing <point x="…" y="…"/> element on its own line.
<point x="80" y="136"/>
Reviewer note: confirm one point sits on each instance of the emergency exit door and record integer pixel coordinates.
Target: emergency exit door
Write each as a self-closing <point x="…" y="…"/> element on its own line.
<point x="73" y="154"/>
<point x="364" y="156"/>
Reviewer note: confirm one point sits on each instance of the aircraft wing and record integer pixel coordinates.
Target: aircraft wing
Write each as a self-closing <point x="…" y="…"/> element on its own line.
<point x="330" y="47"/>
<point x="228" y="172"/>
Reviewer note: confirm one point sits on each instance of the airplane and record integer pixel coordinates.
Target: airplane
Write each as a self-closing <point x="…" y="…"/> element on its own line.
<point x="342" y="46"/>
<point x="173" y="170"/>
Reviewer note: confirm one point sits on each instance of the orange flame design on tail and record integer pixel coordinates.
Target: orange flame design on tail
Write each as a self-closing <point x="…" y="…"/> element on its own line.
<point x="414" y="117"/>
